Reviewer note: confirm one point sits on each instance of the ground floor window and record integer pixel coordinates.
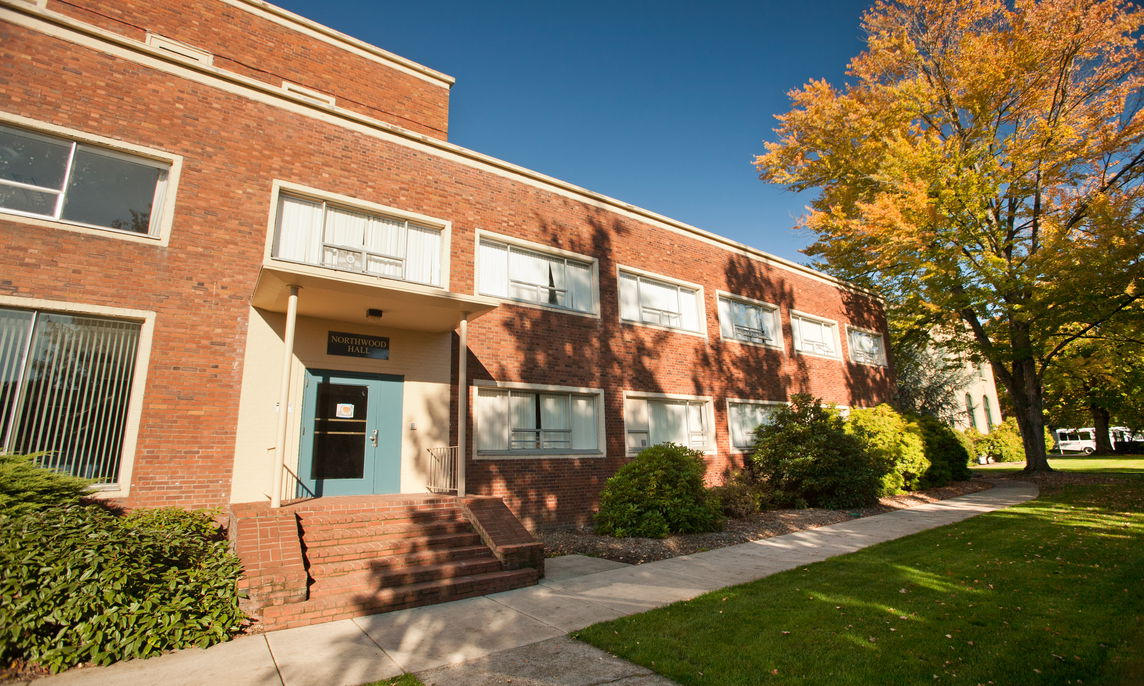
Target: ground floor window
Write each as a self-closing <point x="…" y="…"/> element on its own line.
<point x="523" y="421"/>
<point x="65" y="381"/>
<point x="744" y="416"/>
<point x="655" y="420"/>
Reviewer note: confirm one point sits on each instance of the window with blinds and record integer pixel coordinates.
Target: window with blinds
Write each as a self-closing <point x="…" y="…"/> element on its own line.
<point x="814" y="335"/>
<point x="749" y="321"/>
<point x="650" y="301"/>
<point x="319" y="233"/>
<point x="866" y="347"/>
<point x="745" y="417"/>
<point x="65" y="381"/>
<point x="532" y="422"/>
<point x="508" y="271"/>
<point x="652" y="421"/>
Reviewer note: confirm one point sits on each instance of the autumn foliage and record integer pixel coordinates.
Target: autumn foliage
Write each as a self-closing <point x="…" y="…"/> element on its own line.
<point x="982" y="168"/>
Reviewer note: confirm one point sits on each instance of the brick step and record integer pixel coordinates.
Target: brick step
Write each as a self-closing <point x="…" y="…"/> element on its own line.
<point x="390" y="546"/>
<point x="361" y="580"/>
<point x="350" y="604"/>
<point x="321" y="570"/>
<point x="323" y="535"/>
<point x="358" y="517"/>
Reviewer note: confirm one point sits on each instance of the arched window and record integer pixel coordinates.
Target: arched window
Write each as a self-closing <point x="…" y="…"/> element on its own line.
<point x="988" y="412"/>
<point x="971" y="412"/>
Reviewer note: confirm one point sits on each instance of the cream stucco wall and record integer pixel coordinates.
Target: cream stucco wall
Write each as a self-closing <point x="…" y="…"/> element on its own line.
<point x="423" y="359"/>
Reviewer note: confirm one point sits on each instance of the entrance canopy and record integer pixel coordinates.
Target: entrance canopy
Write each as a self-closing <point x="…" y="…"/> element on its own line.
<point x="348" y="297"/>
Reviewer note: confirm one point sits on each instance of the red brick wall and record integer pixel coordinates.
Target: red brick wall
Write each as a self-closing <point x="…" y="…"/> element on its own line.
<point x="200" y="285"/>
<point x="247" y="44"/>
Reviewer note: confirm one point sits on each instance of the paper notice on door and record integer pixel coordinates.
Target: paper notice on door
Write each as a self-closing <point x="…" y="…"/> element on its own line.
<point x="344" y="411"/>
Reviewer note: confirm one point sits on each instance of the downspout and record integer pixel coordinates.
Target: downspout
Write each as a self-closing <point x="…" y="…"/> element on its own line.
<point x="462" y="400"/>
<point x="284" y="397"/>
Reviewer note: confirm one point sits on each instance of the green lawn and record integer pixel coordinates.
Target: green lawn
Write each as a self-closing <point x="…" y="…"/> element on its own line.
<point x="1129" y="464"/>
<point x="1049" y="592"/>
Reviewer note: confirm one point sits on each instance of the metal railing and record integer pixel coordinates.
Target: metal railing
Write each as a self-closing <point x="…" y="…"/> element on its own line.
<point x="443" y="469"/>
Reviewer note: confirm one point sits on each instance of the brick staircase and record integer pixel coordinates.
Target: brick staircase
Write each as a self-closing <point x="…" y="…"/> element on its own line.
<point x="364" y="555"/>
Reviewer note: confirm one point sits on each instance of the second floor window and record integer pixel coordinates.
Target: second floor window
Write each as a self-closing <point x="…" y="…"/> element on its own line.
<point x="749" y="322"/>
<point x="320" y="233"/>
<point x="866" y="347"/>
<point x="814" y="335"/>
<point x="507" y="271"/>
<point x="56" y="178"/>
<point x="651" y="301"/>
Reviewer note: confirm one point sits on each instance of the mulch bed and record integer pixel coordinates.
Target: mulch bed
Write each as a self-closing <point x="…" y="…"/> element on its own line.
<point x="582" y="541"/>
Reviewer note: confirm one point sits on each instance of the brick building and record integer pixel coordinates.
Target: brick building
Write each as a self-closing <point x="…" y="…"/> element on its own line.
<point x="222" y="253"/>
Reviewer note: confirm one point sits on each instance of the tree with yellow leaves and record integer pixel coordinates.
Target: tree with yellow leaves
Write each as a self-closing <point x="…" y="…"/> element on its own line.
<point x="983" y="169"/>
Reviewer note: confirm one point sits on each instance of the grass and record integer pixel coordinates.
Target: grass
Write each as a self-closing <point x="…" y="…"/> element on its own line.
<point x="1128" y="464"/>
<point x="402" y="680"/>
<point x="1048" y="592"/>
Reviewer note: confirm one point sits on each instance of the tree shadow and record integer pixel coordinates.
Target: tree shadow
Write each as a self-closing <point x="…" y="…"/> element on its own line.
<point x="867" y="384"/>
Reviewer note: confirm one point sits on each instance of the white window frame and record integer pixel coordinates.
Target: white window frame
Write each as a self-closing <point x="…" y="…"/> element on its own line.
<point x="744" y="401"/>
<point x="163" y="204"/>
<point x="868" y="332"/>
<point x="796" y="331"/>
<point x="708" y="407"/>
<point x="768" y="308"/>
<point x="642" y="275"/>
<point x="533" y="454"/>
<point x="592" y="262"/>
<point x="357" y="205"/>
<point x="146" y="319"/>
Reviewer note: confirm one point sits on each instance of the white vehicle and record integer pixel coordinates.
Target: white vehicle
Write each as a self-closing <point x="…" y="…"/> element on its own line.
<point x="1084" y="440"/>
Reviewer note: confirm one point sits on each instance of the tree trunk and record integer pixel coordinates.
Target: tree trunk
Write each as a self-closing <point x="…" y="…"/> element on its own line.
<point x="1028" y="404"/>
<point x="1100" y="419"/>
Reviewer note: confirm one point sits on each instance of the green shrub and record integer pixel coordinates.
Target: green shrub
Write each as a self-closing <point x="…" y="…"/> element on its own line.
<point x="25" y="486"/>
<point x="81" y="584"/>
<point x="805" y="457"/>
<point x="894" y="442"/>
<point x="1002" y="444"/>
<point x="736" y="498"/>
<point x="659" y="492"/>
<point x="949" y="460"/>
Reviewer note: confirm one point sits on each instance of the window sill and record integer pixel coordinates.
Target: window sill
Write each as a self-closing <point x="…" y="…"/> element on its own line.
<point x="541" y="306"/>
<point x="661" y="327"/>
<point x="808" y="353"/>
<point x="536" y="455"/>
<point x="769" y="346"/>
<point x="104" y="231"/>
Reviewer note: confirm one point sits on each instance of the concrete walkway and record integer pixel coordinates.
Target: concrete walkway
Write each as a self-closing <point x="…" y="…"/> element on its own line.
<point x="518" y="635"/>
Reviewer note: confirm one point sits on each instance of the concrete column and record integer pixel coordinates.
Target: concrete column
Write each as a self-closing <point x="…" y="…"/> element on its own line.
<point x="462" y="400"/>
<point x="284" y="397"/>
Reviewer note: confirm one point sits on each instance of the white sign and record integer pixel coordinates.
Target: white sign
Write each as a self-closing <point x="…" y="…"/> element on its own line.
<point x="344" y="411"/>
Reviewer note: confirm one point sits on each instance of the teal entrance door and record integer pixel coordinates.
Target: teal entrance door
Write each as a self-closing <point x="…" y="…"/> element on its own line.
<point x="351" y="434"/>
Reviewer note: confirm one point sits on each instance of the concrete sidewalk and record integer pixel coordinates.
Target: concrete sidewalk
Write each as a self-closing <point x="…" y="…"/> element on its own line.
<point x="578" y="591"/>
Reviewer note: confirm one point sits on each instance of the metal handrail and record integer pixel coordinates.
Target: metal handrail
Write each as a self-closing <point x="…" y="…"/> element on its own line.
<point x="443" y="469"/>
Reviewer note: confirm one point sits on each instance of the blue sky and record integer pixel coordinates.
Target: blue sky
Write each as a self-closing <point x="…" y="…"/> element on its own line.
<point x="660" y="104"/>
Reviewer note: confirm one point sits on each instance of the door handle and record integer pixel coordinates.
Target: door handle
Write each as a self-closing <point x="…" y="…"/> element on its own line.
<point x="373" y="438"/>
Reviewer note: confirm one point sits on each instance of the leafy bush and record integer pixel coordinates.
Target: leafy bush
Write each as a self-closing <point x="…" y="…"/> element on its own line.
<point x="26" y="486"/>
<point x="949" y="460"/>
<point x="894" y="442"/>
<point x="805" y="457"/>
<point x="1003" y="443"/>
<point x="736" y="498"/>
<point x="81" y="584"/>
<point x="659" y="492"/>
